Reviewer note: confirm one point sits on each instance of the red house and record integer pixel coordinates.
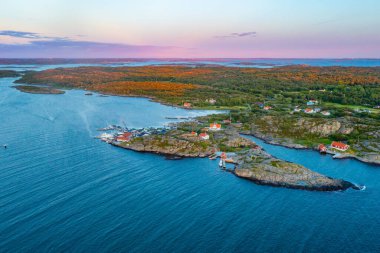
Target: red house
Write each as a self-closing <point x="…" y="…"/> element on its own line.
<point x="322" y="148"/>
<point x="187" y="105"/>
<point x="204" y="136"/>
<point x="124" y="137"/>
<point x="340" y="146"/>
<point x="309" y="110"/>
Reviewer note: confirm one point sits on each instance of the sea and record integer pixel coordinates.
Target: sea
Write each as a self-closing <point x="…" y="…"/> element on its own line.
<point x="62" y="190"/>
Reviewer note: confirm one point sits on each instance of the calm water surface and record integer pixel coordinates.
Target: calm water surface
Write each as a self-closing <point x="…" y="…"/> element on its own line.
<point x="242" y="63"/>
<point x="61" y="190"/>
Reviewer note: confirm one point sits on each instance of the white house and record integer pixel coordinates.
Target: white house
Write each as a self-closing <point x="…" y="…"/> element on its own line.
<point x="215" y="127"/>
<point x="326" y="113"/>
<point x="204" y="136"/>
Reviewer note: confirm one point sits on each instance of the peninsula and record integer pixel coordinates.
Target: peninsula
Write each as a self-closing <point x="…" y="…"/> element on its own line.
<point x="199" y="139"/>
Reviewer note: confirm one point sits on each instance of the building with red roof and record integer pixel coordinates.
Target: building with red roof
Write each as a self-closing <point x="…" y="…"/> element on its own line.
<point x="215" y="126"/>
<point x="340" y="146"/>
<point x="322" y="148"/>
<point x="204" y="136"/>
<point x="309" y="110"/>
<point x="267" y="108"/>
<point x="124" y="137"/>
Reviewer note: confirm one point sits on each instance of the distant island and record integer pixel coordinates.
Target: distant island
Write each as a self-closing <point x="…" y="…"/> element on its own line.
<point x="38" y="89"/>
<point x="9" y="73"/>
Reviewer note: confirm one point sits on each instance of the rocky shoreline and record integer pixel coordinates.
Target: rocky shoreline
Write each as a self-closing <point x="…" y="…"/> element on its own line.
<point x="289" y="144"/>
<point x="38" y="89"/>
<point x="375" y="161"/>
<point x="281" y="133"/>
<point x="275" y="141"/>
<point x="274" y="172"/>
<point x="250" y="161"/>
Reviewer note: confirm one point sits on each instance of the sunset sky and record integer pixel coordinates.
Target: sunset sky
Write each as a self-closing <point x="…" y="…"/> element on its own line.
<point x="196" y="29"/>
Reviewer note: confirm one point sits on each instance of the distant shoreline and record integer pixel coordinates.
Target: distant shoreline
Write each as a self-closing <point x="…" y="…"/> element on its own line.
<point x="237" y="62"/>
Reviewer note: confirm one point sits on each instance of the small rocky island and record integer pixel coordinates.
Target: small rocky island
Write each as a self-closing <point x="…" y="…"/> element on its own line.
<point x="200" y="139"/>
<point x="38" y="89"/>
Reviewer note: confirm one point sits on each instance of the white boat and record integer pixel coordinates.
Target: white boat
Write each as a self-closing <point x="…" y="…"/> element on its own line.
<point x="106" y="136"/>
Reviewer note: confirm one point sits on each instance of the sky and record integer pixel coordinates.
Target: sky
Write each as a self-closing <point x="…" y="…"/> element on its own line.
<point x="190" y="29"/>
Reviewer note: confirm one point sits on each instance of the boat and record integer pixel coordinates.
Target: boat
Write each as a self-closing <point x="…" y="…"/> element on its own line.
<point x="173" y="157"/>
<point x="106" y="137"/>
<point x="106" y="128"/>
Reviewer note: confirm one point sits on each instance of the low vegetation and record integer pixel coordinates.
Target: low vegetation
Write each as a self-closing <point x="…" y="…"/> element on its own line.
<point x="231" y="86"/>
<point x="38" y="89"/>
<point x="350" y="95"/>
<point x="8" y="73"/>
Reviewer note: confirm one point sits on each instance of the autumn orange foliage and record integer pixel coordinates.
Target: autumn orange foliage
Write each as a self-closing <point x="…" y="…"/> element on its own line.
<point x="144" y="88"/>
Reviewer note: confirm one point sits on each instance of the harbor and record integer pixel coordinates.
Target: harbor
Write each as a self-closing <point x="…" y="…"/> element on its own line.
<point x="117" y="134"/>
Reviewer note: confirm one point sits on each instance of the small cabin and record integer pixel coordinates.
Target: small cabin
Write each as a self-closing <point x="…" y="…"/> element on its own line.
<point x="267" y="108"/>
<point x="204" y="136"/>
<point x="211" y="101"/>
<point x="312" y="102"/>
<point x="340" y="146"/>
<point x="322" y="148"/>
<point x="187" y="105"/>
<point x="309" y="110"/>
<point x="215" y="127"/>
<point x="326" y="113"/>
<point x="124" y="137"/>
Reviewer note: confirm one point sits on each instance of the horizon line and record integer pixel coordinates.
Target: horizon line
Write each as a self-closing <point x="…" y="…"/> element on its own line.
<point x="189" y="58"/>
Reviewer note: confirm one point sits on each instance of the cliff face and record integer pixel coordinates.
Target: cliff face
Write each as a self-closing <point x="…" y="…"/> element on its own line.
<point x="320" y="128"/>
<point x="286" y="131"/>
<point x="261" y="168"/>
<point x="291" y="126"/>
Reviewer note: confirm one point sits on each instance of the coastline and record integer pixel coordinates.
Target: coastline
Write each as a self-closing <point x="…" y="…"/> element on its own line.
<point x="250" y="161"/>
<point x="269" y="140"/>
<point x="346" y="185"/>
<point x="38" y="90"/>
<point x="301" y="147"/>
<point x="245" y="132"/>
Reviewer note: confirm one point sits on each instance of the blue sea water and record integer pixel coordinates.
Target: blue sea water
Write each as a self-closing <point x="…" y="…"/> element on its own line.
<point x="61" y="190"/>
<point x="242" y="63"/>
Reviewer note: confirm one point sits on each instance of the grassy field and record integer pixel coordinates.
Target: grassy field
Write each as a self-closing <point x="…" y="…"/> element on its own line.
<point x="352" y="107"/>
